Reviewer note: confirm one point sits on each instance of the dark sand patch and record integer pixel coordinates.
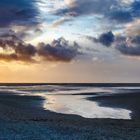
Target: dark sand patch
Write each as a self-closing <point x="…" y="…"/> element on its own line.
<point x="130" y="101"/>
<point x="23" y="118"/>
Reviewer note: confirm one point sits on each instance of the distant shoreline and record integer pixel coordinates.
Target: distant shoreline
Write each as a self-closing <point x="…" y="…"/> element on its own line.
<point x="81" y="84"/>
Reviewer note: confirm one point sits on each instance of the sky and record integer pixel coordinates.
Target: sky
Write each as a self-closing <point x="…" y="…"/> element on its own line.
<point x="70" y="41"/>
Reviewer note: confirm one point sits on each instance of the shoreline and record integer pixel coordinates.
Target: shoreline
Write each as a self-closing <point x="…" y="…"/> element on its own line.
<point x="82" y="84"/>
<point x="17" y="113"/>
<point x="34" y="103"/>
<point x="130" y="101"/>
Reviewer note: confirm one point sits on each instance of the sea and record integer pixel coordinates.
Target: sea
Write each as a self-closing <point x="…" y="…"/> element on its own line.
<point x="98" y="100"/>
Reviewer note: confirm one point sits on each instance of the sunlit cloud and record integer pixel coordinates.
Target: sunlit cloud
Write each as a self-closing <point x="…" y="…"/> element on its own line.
<point x="15" y="49"/>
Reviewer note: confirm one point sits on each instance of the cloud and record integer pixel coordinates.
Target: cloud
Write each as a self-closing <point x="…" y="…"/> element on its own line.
<point x="129" y="50"/>
<point x="21" y="12"/>
<point x="135" y="8"/>
<point x="125" y="12"/>
<point x="129" y="46"/>
<point x="133" y="28"/>
<point x="16" y="57"/>
<point x="89" y="6"/>
<point x="126" y="45"/>
<point x="58" y="50"/>
<point x="121" y="16"/>
<point x="15" y="49"/>
<point x="26" y="32"/>
<point x="136" y="40"/>
<point x="105" y="39"/>
<point x="120" y="11"/>
<point x="60" y="21"/>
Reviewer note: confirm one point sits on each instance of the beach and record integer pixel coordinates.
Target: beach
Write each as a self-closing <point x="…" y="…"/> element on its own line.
<point x="23" y="117"/>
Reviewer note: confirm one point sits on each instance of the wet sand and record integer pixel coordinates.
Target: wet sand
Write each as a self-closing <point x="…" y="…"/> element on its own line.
<point x="23" y="118"/>
<point x="130" y="101"/>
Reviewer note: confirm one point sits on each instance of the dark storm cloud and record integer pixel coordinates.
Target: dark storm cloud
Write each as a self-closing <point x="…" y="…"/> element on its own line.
<point x="126" y="45"/>
<point x="25" y="12"/>
<point x="105" y="39"/>
<point x="125" y="13"/>
<point x="130" y="46"/>
<point x="135" y="40"/>
<point x="82" y="7"/>
<point x="17" y="12"/>
<point x="58" y="50"/>
<point x="120" y="16"/>
<point x="135" y="8"/>
<point x="114" y="10"/>
<point x="19" y="50"/>
<point x="129" y="50"/>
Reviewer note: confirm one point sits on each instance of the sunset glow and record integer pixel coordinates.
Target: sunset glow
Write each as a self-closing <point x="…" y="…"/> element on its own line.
<point x="69" y="41"/>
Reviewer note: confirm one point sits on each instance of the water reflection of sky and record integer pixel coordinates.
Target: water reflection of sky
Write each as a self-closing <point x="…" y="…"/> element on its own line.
<point x="80" y="106"/>
<point x="72" y="100"/>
